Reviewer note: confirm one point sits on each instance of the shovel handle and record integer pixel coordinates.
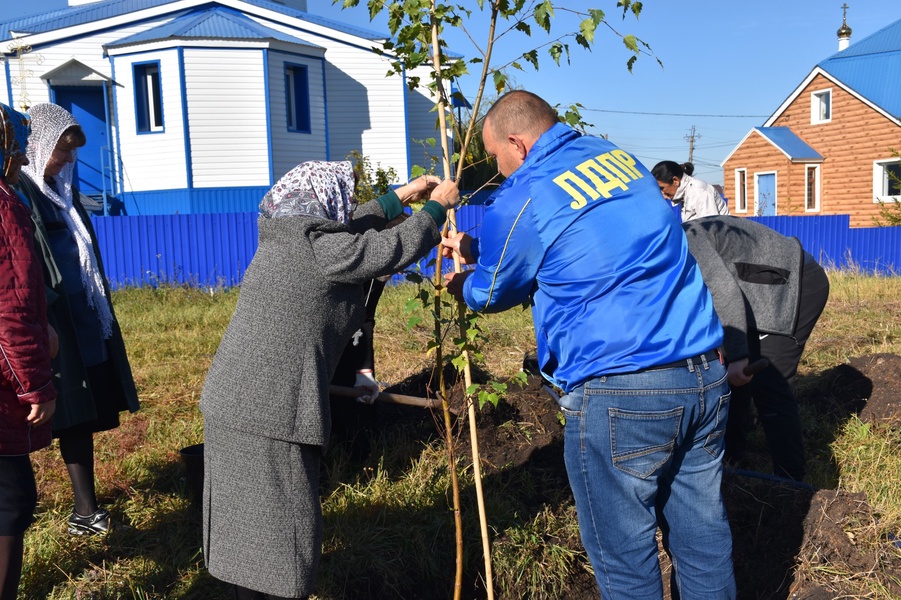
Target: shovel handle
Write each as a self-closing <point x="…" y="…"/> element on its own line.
<point x="350" y="392"/>
<point x="756" y="367"/>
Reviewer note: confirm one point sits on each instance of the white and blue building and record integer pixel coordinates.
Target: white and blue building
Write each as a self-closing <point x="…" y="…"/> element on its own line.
<point x="199" y="106"/>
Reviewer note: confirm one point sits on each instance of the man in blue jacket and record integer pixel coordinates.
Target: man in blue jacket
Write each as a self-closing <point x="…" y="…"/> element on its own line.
<point x="626" y="328"/>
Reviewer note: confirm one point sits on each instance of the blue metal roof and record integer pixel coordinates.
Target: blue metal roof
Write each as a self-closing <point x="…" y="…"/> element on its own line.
<point x="790" y="144"/>
<point x="872" y="68"/>
<point x="216" y="22"/>
<point x="88" y="13"/>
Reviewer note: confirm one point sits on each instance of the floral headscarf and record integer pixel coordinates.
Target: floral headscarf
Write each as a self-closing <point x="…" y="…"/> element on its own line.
<point x="48" y="123"/>
<point x="14" y="129"/>
<point x="315" y="189"/>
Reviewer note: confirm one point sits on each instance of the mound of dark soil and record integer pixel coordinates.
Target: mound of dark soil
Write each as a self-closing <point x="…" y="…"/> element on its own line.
<point x="777" y="525"/>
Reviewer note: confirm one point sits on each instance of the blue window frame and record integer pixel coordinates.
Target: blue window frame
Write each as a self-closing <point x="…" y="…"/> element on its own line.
<point x="297" y="91"/>
<point x="148" y="97"/>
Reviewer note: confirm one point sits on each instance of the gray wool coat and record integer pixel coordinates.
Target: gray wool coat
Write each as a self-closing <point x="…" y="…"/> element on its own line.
<point x="301" y="299"/>
<point x="753" y="273"/>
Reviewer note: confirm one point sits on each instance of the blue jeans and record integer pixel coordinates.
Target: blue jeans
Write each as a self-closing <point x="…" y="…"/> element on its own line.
<point x="644" y="450"/>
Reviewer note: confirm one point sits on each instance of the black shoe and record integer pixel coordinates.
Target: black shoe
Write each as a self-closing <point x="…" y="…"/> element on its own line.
<point x="95" y="523"/>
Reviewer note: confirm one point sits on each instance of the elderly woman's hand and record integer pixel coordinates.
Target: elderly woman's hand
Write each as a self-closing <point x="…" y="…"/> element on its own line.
<point x="418" y="189"/>
<point x="446" y="193"/>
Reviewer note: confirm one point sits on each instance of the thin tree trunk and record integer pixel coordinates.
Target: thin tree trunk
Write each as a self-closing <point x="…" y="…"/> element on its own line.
<point x="467" y="373"/>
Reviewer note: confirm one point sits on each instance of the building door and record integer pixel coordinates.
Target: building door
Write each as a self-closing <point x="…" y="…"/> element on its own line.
<point x="86" y="105"/>
<point x="765" y="198"/>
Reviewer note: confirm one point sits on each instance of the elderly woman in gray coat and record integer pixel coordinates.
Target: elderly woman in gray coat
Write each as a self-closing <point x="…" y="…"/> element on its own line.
<point x="265" y="401"/>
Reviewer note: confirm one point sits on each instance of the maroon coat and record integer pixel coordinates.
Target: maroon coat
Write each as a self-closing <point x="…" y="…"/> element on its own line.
<point x="25" y="371"/>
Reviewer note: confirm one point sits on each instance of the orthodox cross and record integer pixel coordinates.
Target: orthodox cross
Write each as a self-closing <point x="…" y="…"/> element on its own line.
<point x="19" y="49"/>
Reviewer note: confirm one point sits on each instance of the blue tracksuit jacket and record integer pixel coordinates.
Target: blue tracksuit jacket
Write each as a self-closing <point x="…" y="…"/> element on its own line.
<point x="581" y="231"/>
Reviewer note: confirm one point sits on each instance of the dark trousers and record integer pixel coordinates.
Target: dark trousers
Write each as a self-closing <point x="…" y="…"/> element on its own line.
<point x="771" y="389"/>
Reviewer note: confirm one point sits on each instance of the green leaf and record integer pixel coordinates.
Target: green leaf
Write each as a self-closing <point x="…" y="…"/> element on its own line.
<point x="532" y="57"/>
<point x="472" y="389"/>
<point x="485" y="397"/>
<point x="413" y="322"/>
<point x="631" y="62"/>
<point x="417" y="171"/>
<point x="580" y="39"/>
<point x="543" y="14"/>
<point x="500" y="80"/>
<point x="413" y="277"/>
<point x="524" y="28"/>
<point x="556" y="51"/>
<point x="412" y="304"/>
<point x="630" y="43"/>
<point x="587" y="28"/>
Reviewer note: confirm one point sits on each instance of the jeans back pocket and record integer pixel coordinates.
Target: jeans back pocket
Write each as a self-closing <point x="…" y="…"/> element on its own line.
<point x="643" y="441"/>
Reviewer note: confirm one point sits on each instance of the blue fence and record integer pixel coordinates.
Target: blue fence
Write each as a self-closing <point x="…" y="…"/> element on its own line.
<point x="215" y="249"/>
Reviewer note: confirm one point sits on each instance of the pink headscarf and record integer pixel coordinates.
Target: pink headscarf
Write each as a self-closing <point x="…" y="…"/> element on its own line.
<point x="314" y="189"/>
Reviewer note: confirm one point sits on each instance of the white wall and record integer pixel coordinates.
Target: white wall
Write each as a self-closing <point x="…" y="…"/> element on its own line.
<point x="365" y="108"/>
<point x="227" y="117"/>
<point x="151" y="161"/>
<point x="367" y="111"/>
<point x="89" y="51"/>
<point x="422" y="124"/>
<point x="290" y="148"/>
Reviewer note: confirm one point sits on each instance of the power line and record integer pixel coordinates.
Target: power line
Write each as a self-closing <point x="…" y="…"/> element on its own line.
<point x="662" y="114"/>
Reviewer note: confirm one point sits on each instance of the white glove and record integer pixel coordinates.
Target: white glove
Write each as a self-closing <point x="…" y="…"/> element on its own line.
<point x="366" y="380"/>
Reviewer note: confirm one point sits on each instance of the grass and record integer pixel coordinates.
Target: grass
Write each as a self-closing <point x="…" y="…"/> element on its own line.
<point x="388" y="523"/>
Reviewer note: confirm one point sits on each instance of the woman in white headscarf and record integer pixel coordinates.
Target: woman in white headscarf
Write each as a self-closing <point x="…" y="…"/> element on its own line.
<point x="265" y="401"/>
<point x="92" y="373"/>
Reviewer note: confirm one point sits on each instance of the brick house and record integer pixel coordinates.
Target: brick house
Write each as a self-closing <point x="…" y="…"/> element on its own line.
<point x="832" y="146"/>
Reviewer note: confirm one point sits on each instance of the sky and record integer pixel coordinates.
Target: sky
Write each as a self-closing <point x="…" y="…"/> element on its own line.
<point x="727" y="65"/>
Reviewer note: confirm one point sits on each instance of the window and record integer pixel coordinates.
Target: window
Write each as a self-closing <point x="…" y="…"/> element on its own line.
<point x="812" y="188"/>
<point x="148" y="97"/>
<point x="297" y="87"/>
<point x="821" y="107"/>
<point x="887" y="181"/>
<point x="741" y="190"/>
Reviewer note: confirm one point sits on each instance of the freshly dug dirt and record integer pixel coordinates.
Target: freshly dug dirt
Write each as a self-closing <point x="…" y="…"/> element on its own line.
<point x="777" y="525"/>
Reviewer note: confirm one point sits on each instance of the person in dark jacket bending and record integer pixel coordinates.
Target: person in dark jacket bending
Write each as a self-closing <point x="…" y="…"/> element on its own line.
<point x="265" y="401"/>
<point x="768" y="293"/>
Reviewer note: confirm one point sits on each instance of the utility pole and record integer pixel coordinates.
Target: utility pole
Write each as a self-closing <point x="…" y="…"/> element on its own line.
<point x="691" y="137"/>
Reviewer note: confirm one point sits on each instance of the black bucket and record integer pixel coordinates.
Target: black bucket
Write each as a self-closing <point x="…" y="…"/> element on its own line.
<point x="192" y="456"/>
